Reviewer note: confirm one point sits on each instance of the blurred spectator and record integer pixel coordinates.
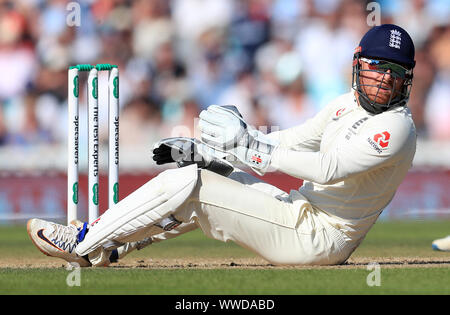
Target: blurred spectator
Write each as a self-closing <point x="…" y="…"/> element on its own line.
<point x="423" y="77"/>
<point x="192" y="18"/>
<point x="292" y="107"/>
<point x="437" y="110"/>
<point x="25" y="128"/>
<point x="186" y="124"/>
<point x="241" y="95"/>
<point x="169" y="81"/>
<point x="414" y="17"/>
<point x="17" y="56"/>
<point x="208" y="72"/>
<point x="140" y="123"/>
<point x="326" y="46"/>
<point x="152" y="27"/>
<point x="248" y="30"/>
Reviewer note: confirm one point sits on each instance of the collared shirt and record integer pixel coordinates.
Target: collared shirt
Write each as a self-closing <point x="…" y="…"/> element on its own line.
<point x="351" y="161"/>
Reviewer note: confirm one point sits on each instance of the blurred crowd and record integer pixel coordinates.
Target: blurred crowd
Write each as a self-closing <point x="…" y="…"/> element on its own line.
<point x="279" y="61"/>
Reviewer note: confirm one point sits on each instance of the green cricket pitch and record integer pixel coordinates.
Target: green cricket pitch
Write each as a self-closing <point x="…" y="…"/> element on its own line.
<point x="195" y="265"/>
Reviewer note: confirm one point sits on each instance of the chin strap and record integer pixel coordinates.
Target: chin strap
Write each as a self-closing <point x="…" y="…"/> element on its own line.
<point x="369" y="107"/>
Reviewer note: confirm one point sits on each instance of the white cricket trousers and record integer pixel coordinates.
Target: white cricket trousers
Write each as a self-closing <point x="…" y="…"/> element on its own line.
<point x="263" y="219"/>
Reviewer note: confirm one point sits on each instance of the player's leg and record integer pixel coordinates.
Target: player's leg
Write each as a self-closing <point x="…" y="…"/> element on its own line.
<point x="135" y="236"/>
<point x="60" y="241"/>
<point x="154" y="235"/>
<point x="157" y="234"/>
<point x="223" y="208"/>
<point x="279" y="231"/>
<point x="261" y="220"/>
<point x="258" y="184"/>
<point x="126" y="222"/>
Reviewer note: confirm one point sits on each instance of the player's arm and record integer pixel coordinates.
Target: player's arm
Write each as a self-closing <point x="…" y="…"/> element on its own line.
<point x="224" y="129"/>
<point x="359" y="154"/>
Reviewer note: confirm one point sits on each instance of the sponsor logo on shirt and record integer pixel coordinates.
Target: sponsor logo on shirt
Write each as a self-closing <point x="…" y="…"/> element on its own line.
<point x="256" y="159"/>
<point x="359" y="122"/>
<point x="379" y="141"/>
<point x="355" y="126"/>
<point x="382" y="139"/>
<point x="339" y="112"/>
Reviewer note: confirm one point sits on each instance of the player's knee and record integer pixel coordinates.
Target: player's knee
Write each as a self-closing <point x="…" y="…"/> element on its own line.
<point x="205" y="182"/>
<point x="148" y="205"/>
<point x="206" y="178"/>
<point x="176" y="180"/>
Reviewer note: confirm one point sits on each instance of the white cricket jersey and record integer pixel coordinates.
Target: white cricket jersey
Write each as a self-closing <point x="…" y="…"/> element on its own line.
<point x="351" y="161"/>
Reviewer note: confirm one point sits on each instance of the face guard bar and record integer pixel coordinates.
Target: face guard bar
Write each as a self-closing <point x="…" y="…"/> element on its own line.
<point x="396" y="71"/>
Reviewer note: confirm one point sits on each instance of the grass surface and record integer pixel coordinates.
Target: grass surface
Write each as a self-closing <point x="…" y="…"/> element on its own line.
<point x="199" y="282"/>
<point x="410" y="239"/>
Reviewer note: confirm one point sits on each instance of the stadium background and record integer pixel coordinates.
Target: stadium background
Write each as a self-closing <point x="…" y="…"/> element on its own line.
<point x="279" y="61"/>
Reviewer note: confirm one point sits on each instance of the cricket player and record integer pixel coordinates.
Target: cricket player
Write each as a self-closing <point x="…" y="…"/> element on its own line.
<point x="352" y="156"/>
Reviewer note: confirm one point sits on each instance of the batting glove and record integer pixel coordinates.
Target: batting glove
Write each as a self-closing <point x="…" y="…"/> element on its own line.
<point x="224" y="128"/>
<point x="187" y="151"/>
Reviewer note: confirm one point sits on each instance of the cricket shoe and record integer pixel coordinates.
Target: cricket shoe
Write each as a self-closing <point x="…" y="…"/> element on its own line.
<point x="57" y="240"/>
<point x="442" y="244"/>
<point x="118" y="253"/>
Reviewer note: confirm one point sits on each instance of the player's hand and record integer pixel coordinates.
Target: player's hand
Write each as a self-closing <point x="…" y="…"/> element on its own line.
<point x="172" y="150"/>
<point x="224" y="128"/>
<point x="187" y="151"/>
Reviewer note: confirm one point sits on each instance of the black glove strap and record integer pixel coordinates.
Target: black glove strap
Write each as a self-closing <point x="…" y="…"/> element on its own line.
<point x="219" y="167"/>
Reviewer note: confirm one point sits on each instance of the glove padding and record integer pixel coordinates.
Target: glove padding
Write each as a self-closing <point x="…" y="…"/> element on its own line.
<point x="223" y="128"/>
<point x="187" y="151"/>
